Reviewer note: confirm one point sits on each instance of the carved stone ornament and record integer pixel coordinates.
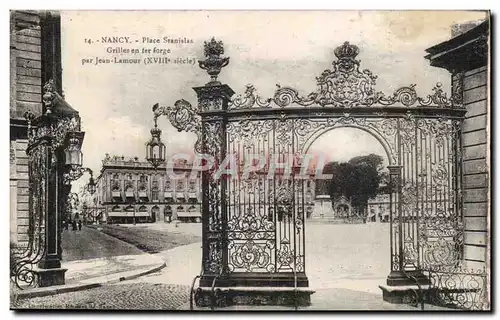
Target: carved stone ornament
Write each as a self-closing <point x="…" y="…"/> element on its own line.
<point x="49" y="95"/>
<point x="51" y="125"/>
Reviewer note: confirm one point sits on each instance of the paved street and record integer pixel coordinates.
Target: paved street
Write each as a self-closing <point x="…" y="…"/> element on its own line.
<point x="348" y="256"/>
<point x="134" y="296"/>
<point x="90" y="243"/>
<point x="345" y="265"/>
<point x="337" y="256"/>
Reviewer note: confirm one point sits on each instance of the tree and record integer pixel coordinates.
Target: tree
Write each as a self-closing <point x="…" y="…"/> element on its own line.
<point x="323" y="186"/>
<point x="358" y="179"/>
<point x="372" y="160"/>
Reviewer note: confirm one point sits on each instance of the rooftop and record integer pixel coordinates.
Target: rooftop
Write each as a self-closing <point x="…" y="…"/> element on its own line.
<point x="135" y="162"/>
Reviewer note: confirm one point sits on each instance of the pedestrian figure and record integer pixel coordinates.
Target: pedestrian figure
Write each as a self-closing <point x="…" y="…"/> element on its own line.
<point x="74" y="225"/>
<point x="79" y="225"/>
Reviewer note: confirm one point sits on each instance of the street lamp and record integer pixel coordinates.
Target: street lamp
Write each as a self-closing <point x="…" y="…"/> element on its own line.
<point x="155" y="149"/>
<point x="91" y="186"/>
<point x="54" y="161"/>
<point x="73" y="153"/>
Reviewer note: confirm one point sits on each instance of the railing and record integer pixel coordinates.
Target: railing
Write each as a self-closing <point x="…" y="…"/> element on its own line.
<point x="457" y="289"/>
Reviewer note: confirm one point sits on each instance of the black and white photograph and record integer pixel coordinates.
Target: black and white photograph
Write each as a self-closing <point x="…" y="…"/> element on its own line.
<point x="251" y="160"/>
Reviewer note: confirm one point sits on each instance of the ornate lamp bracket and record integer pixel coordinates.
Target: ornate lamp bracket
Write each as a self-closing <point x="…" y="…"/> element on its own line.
<point x="183" y="116"/>
<point x="74" y="173"/>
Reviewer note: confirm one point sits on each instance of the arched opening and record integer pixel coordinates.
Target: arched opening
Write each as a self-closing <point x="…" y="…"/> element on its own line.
<point x="155" y="211"/>
<point x="337" y="222"/>
<point x="167" y="214"/>
<point x="142" y="215"/>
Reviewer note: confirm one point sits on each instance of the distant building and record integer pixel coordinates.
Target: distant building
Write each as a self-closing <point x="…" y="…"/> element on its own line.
<point x="379" y="208"/>
<point x="129" y="189"/>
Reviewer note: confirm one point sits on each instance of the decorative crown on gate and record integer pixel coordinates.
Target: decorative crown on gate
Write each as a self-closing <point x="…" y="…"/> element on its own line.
<point x="213" y="63"/>
<point x="346" y="51"/>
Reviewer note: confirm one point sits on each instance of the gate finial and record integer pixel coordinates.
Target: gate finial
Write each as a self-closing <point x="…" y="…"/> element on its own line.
<point x="213" y="63"/>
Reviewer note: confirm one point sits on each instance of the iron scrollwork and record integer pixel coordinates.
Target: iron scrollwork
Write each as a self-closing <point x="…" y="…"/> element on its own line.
<point x="265" y="228"/>
<point x="54" y="127"/>
<point x="184" y="117"/>
<point x="25" y="257"/>
<point x="345" y="86"/>
<point x="74" y="173"/>
<point x="249" y="99"/>
<point x="460" y="288"/>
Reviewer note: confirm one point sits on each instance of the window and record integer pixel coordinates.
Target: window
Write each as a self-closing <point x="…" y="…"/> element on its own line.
<point x="180" y="185"/>
<point x="115" y="185"/>
<point x="192" y="186"/>
<point x="115" y="182"/>
<point x="142" y="183"/>
<point x="129" y="186"/>
<point x="154" y="195"/>
<point x="155" y="189"/>
<point x="168" y="185"/>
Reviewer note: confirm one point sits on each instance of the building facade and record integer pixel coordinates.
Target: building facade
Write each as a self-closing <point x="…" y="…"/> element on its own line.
<point x="35" y="58"/>
<point x="130" y="190"/>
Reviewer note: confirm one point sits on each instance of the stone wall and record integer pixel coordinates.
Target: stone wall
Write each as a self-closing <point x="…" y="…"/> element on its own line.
<point x="476" y="166"/>
<point x="25" y="94"/>
<point x="25" y="68"/>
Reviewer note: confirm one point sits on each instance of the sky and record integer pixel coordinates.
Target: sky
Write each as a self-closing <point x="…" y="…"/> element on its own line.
<point x="343" y="144"/>
<point x="289" y="48"/>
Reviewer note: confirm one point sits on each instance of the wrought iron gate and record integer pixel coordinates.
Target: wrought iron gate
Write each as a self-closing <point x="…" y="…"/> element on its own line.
<point x="253" y="224"/>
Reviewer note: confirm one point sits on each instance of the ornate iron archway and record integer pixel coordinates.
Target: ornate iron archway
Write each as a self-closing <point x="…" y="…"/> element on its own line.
<point x="253" y="226"/>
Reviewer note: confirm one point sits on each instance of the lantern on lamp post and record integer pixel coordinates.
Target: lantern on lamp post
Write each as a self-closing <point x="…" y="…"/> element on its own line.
<point x="91" y="186"/>
<point x="73" y="153"/>
<point x="155" y="149"/>
<point x="54" y="161"/>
